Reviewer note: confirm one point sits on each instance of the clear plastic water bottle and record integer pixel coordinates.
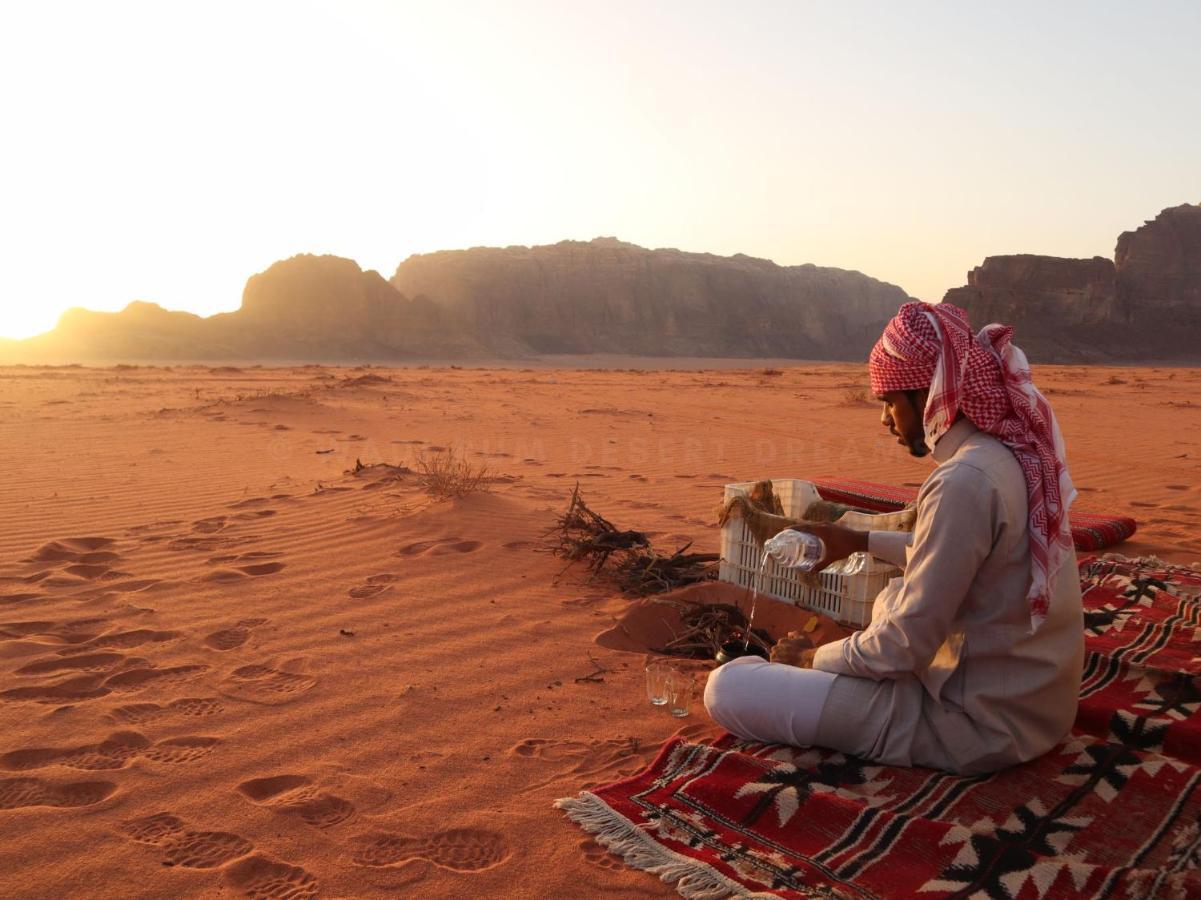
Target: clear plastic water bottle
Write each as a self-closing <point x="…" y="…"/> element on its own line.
<point x="795" y="549"/>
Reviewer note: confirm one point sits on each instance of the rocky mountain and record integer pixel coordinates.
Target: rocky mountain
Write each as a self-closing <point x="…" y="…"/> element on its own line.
<point x="608" y="296"/>
<point x="322" y="308"/>
<point x="600" y="296"/>
<point x="326" y="307"/>
<point x="1145" y="304"/>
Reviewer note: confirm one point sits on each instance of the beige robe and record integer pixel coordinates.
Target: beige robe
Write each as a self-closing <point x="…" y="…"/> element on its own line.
<point x="947" y="674"/>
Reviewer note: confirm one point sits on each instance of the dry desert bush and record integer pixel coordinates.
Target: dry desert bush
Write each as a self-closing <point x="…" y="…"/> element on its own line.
<point x="445" y="474"/>
<point x="855" y="396"/>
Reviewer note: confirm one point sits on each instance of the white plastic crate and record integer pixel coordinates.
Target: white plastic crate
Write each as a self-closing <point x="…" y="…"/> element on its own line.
<point x="847" y="598"/>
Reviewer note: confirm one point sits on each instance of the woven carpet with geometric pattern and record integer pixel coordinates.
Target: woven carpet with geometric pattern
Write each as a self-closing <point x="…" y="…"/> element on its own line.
<point x="1112" y="811"/>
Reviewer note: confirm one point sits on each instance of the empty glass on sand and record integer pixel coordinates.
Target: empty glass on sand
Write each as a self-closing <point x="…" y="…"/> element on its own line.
<point x="659" y="675"/>
<point x="681" y="691"/>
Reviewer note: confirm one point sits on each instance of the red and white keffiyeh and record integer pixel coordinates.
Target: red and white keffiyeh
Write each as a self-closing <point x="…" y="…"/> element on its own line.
<point x="987" y="379"/>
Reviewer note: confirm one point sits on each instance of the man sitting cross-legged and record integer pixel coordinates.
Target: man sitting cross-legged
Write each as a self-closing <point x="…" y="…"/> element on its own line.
<point x="973" y="657"/>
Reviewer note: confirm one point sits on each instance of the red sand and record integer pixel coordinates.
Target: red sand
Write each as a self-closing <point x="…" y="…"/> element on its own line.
<point x="229" y="669"/>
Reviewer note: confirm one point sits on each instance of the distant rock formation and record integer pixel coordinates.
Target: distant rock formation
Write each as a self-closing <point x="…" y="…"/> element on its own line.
<point x="1145" y="305"/>
<point x="140" y="331"/>
<point x="1059" y="307"/>
<point x="1159" y="273"/>
<point x="602" y="296"/>
<point x="326" y="307"/>
<point x="319" y="308"/>
<point x="608" y="296"/>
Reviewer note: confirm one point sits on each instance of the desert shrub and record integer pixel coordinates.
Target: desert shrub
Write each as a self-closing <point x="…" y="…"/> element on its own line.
<point x="771" y="373"/>
<point x="855" y="396"/>
<point x="445" y="474"/>
<point x="1114" y="379"/>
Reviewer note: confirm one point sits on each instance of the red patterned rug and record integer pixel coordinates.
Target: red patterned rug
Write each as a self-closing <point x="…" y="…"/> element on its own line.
<point x="1113" y="811"/>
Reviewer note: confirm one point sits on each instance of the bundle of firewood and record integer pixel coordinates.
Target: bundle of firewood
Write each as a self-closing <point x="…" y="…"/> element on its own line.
<point x="708" y="626"/>
<point x="581" y="534"/>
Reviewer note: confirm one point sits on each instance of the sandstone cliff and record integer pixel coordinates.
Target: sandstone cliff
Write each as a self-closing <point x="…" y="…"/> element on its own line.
<point x="304" y="308"/>
<point x="140" y="331"/>
<point x="1159" y="275"/>
<point x="326" y="307"/>
<point x="602" y="296"/>
<point x="607" y="296"/>
<point x="1145" y="305"/>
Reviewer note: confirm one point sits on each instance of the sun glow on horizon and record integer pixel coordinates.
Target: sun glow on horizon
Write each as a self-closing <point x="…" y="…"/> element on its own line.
<point x="167" y="153"/>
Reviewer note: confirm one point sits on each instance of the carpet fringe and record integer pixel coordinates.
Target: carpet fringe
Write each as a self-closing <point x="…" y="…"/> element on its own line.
<point x="693" y="879"/>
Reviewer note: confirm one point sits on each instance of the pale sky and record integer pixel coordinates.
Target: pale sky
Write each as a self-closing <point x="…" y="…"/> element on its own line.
<point x="166" y="151"/>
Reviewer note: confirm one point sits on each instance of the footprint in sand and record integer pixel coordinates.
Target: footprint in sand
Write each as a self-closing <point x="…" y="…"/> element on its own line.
<point x="256" y="514"/>
<point x="267" y="685"/>
<point x="114" y="752"/>
<point x="254" y="556"/>
<point x="85" y="570"/>
<point x="90" y="544"/>
<point x="233" y="637"/>
<point x="596" y="855"/>
<point x="204" y="544"/>
<point x="457" y="849"/>
<point x="297" y="795"/>
<point x="134" y="585"/>
<point x="181" y="846"/>
<point x="621" y="757"/>
<point x="72" y="549"/>
<point x="87" y="662"/>
<point x="226" y="576"/>
<point x="375" y="584"/>
<point x="249" y="502"/>
<point x="439" y="547"/>
<point x="189" y="707"/>
<point x="262" y="878"/>
<point x="64" y="581"/>
<point x="20" y="793"/>
<point x="181" y="749"/>
<point x="77" y="631"/>
<point x="210" y="525"/>
<point x="73" y="690"/>
<point x="520" y="545"/>
<point x="142" y="678"/>
<point x="52" y="552"/>
<point x="126" y="639"/>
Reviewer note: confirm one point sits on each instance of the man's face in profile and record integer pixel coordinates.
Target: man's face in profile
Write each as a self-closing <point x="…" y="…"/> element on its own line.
<point x="902" y="417"/>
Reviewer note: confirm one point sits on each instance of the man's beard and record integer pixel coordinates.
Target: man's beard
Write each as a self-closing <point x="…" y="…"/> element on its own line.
<point x="918" y="448"/>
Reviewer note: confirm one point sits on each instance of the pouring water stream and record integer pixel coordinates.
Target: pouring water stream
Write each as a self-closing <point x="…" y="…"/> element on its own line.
<point x="755" y="584"/>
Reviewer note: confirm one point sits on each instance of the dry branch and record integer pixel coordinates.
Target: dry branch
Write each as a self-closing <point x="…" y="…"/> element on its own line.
<point x="707" y="626"/>
<point x="582" y="534"/>
<point x="596" y="676"/>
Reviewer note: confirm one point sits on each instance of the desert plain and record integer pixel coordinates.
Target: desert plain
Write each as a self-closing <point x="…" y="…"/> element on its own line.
<point x="231" y="665"/>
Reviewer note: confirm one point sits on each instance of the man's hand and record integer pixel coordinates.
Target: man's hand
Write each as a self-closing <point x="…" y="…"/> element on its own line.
<point x="794" y="649"/>
<point x="840" y="542"/>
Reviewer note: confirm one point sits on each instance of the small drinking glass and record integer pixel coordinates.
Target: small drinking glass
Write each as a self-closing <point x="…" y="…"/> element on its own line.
<point x="681" y="691"/>
<point x="658" y="681"/>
